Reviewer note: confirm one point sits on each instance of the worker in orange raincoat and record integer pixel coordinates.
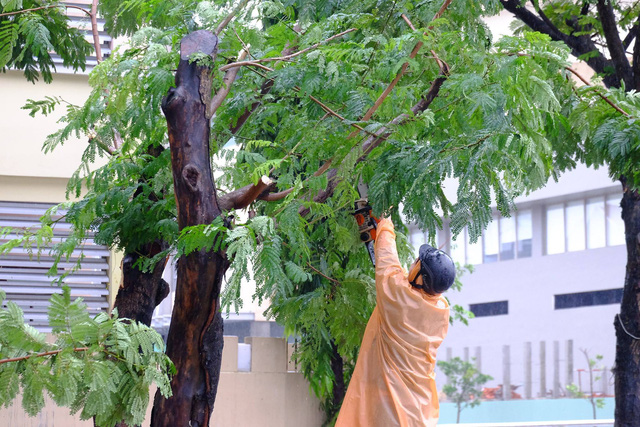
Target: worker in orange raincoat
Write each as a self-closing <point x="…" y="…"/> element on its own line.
<point x="393" y="383"/>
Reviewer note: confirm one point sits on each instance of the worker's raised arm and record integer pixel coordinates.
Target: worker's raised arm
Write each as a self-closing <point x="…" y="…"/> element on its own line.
<point x="385" y="248"/>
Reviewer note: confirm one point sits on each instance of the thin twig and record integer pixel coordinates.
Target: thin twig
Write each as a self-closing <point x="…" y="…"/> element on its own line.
<point x="230" y="16"/>
<point x="94" y="30"/>
<point x="225" y="88"/>
<point x="440" y="62"/>
<point x="51" y="6"/>
<point x="586" y="82"/>
<point x="287" y="57"/>
<point x="46" y="353"/>
<point x="322" y="274"/>
<point x="117" y="139"/>
<point x="244" y="45"/>
<point x="604" y="97"/>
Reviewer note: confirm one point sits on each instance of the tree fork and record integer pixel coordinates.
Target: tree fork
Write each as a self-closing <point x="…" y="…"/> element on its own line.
<point x="195" y="341"/>
<point x="627" y="323"/>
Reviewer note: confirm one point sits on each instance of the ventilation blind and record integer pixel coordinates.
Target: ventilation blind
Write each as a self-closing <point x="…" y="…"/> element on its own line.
<point x="25" y="280"/>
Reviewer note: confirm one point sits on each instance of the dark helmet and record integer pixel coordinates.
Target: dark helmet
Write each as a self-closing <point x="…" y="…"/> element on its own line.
<point x="437" y="269"/>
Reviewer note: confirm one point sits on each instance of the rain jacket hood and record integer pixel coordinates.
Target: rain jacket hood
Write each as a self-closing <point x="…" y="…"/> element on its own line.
<point x="394" y="382"/>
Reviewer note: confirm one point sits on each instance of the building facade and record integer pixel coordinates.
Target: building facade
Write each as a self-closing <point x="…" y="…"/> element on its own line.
<point x="546" y="285"/>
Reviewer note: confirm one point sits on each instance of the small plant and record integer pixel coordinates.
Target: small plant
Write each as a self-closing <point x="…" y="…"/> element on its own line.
<point x="575" y="390"/>
<point x="464" y="383"/>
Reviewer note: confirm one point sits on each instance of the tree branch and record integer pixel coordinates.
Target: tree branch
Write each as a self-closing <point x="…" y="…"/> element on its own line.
<point x="544" y="17"/>
<point x="635" y="69"/>
<point x="331" y="279"/>
<point x="382" y="135"/>
<point x="223" y="92"/>
<point x="373" y="142"/>
<point x="257" y="62"/>
<point x="46" y="353"/>
<point x="51" y="6"/>
<point x="404" y="67"/>
<point x="230" y="16"/>
<point x="616" y="48"/>
<point x="631" y="35"/>
<point x="605" y="98"/>
<point x="243" y="197"/>
<point x="94" y="30"/>
<point x="579" y="45"/>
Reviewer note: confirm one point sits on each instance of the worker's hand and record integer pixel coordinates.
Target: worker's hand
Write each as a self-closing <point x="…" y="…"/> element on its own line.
<point x="386" y="213"/>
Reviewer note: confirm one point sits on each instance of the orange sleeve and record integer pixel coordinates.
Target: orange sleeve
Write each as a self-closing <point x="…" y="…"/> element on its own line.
<point x="390" y="277"/>
<point x="385" y="247"/>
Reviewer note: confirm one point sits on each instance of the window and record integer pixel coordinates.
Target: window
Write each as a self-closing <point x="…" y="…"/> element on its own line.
<point x="458" y="252"/>
<point x="574" y="223"/>
<point x="615" y="225"/>
<point x="525" y="232"/>
<point x="504" y="239"/>
<point x="555" y="229"/>
<point x="474" y="251"/>
<point x="584" y="224"/>
<point x="596" y="228"/>
<point x="490" y="308"/>
<point x="419" y="237"/>
<point x="585" y="299"/>
<point x="491" y="244"/>
<point x="465" y="252"/>
<point x="507" y="238"/>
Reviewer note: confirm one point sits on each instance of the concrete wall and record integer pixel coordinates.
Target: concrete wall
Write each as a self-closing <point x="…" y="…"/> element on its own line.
<point x="23" y="135"/>
<point x="271" y="394"/>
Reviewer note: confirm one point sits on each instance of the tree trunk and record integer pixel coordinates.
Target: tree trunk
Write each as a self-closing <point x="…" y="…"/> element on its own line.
<point x="627" y="367"/>
<point x="195" y="336"/>
<point x="339" y="389"/>
<point x="141" y="292"/>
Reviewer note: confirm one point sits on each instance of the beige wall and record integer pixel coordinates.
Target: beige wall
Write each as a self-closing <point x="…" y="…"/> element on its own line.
<point x="23" y="136"/>
<point x="271" y="395"/>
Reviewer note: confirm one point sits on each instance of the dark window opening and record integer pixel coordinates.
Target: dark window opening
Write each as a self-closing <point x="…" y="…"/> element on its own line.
<point x="585" y="299"/>
<point x="490" y="308"/>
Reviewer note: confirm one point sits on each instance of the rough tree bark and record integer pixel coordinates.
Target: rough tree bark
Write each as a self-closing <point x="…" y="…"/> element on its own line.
<point x="195" y="336"/>
<point x="141" y="292"/>
<point x="627" y="324"/>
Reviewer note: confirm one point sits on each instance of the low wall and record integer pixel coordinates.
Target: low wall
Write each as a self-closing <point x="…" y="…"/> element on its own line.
<point x="267" y="391"/>
<point x="514" y="411"/>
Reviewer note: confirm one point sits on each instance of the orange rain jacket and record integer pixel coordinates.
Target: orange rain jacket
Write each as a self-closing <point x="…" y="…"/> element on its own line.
<point x="393" y="383"/>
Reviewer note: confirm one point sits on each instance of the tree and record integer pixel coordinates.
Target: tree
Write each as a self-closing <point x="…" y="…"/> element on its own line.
<point x="397" y="95"/>
<point x="463" y="383"/>
<point x="601" y="32"/>
<point x="595" y="402"/>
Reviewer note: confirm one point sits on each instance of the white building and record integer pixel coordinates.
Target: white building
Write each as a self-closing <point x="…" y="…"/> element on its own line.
<point x="550" y="273"/>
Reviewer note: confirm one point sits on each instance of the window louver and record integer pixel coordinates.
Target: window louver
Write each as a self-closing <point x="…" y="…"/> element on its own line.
<point x="25" y="279"/>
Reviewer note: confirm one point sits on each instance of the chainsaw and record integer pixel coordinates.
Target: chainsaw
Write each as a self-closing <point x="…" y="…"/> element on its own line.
<point x="367" y="225"/>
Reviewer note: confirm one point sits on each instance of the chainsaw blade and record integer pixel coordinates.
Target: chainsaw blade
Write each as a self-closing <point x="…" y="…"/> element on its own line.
<point x="372" y="253"/>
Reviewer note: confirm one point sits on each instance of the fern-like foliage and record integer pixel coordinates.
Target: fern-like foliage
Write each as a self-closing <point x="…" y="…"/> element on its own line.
<point x="101" y="367"/>
<point x="33" y="33"/>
